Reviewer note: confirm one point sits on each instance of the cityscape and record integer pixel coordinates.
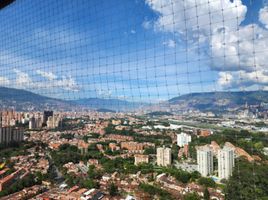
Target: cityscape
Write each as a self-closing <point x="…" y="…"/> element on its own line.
<point x="134" y="100"/>
<point x="116" y="155"/>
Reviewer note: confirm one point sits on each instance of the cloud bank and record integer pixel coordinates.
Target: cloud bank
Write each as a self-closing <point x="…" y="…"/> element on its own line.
<point x="238" y="53"/>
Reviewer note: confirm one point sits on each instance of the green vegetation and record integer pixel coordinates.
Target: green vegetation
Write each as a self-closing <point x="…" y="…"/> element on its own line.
<point x="253" y="143"/>
<point x="91" y="135"/>
<point x="88" y="181"/>
<point x="181" y="175"/>
<point x="192" y="196"/>
<point x="113" y="189"/>
<point x="27" y="181"/>
<point x="66" y="153"/>
<point x="15" y="149"/>
<point x="153" y="190"/>
<point x="175" y="151"/>
<point x="67" y="136"/>
<point x="156" y="139"/>
<point x="206" y="194"/>
<point x="208" y="182"/>
<point x="249" y="181"/>
<point x="149" y="150"/>
<point x="93" y="173"/>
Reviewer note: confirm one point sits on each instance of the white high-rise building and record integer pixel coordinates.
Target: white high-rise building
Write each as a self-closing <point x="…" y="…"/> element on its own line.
<point x="163" y="156"/>
<point x="183" y="139"/>
<point x="225" y="162"/>
<point x="205" y="161"/>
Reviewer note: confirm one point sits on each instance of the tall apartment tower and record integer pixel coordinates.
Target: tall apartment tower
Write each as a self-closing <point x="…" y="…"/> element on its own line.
<point x="205" y="161"/>
<point x="163" y="156"/>
<point x="183" y="139"/>
<point x="225" y="162"/>
<point x="9" y="134"/>
<point x="46" y="115"/>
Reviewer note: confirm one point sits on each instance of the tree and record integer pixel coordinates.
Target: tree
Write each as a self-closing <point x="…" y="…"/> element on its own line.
<point x="243" y="184"/>
<point x="89" y="183"/>
<point x="195" y="175"/>
<point x="149" y="150"/>
<point x="192" y="196"/>
<point x="208" y="182"/>
<point x="113" y="190"/>
<point x="206" y="194"/>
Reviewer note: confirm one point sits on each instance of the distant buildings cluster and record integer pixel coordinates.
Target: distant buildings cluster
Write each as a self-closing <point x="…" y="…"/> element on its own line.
<point x="36" y="120"/>
<point x="10" y="118"/>
<point x="48" y="119"/>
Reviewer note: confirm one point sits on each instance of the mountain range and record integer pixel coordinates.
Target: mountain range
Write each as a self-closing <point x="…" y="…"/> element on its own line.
<point x="219" y="101"/>
<point x="22" y="100"/>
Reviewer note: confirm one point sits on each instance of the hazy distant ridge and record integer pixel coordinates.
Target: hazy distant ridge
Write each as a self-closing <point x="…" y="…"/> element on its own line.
<point x="220" y="100"/>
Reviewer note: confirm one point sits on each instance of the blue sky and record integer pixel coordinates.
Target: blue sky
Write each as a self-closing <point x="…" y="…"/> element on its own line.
<point x="142" y="50"/>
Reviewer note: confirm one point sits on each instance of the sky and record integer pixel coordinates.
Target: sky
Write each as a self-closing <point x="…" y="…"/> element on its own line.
<point x="136" y="50"/>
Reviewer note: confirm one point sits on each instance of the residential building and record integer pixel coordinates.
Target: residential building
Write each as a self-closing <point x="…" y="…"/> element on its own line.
<point x="205" y="160"/>
<point x="132" y="147"/>
<point x="46" y="115"/>
<point x="225" y="162"/>
<point x="35" y="123"/>
<point x="163" y="156"/>
<point x="53" y="121"/>
<point x="10" y="134"/>
<point x="205" y="133"/>
<point x="139" y="158"/>
<point x="183" y="139"/>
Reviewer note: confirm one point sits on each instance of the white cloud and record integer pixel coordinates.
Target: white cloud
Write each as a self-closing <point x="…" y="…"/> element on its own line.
<point x="239" y="53"/>
<point x="170" y="43"/>
<point x="263" y="15"/>
<point x="24" y="81"/>
<point x="4" y="81"/>
<point x="147" y="24"/>
<point x="67" y="83"/>
<point x="188" y="15"/>
<point x="132" y="31"/>
<point x="21" y="66"/>
<point x="48" y="75"/>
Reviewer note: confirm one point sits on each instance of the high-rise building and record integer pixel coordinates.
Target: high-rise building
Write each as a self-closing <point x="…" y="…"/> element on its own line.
<point x="205" y="160"/>
<point x="32" y="124"/>
<point x="225" y="162"/>
<point x="17" y="134"/>
<point x="5" y="135"/>
<point x="10" y="118"/>
<point x="183" y="139"/>
<point x="35" y="122"/>
<point x="163" y="156"/>
<point x="46" y="115"/>
<point x="54" y="121"/>
<point x="9" y="134"/>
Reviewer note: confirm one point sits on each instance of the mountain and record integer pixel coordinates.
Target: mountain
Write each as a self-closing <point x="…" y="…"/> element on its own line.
<point x="108" y="104"/>
<point x="22" y="100"/>
<point x="215" y="101"/>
